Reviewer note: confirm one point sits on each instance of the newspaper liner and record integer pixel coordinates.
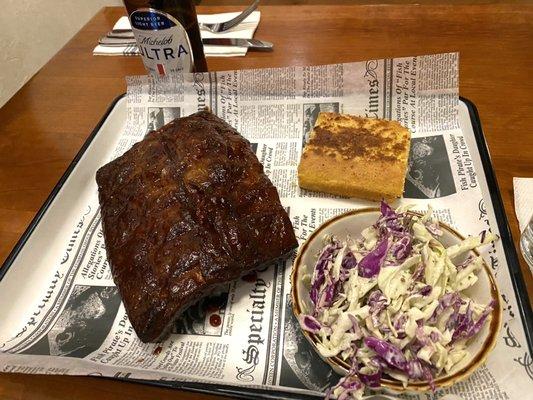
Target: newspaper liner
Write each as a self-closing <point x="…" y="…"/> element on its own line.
<point x="246" y="335"/>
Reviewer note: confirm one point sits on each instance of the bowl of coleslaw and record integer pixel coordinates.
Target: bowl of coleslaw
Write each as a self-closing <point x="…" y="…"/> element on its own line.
<point x="394" y="299"/>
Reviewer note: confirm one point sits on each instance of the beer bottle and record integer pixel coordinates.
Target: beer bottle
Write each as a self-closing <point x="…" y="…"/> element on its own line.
<point x="167" y="35"/>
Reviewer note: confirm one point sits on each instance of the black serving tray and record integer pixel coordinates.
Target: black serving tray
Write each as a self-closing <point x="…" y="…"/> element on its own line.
<point x="252" y="393"/>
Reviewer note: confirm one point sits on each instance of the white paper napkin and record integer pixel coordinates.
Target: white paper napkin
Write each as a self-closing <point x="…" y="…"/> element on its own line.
<point x="523" y="200"/>
<point x="245" y="30"/>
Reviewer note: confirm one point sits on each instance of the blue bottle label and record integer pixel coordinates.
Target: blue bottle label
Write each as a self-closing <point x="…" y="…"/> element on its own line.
<point x="163" y="42"/>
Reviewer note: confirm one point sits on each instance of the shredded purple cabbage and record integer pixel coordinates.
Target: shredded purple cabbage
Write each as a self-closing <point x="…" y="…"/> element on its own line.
<point x="348" y="385"/>
<point x="466" y="327"/>
<point x="325" y="257"/>
<point x="349" y="261"/>
<point x="390" y="353"/>
<point x="309" y="323"/>
<point x="379" y="362"/>
<point x="463" y="323"/>
<point x="355" y="325"/>
<point x="386" y="210"/>
<point x="402" y="248"/>
<point x="329" y="294"/>
<point x="377" y="303"/>
<point x="371" y="380"/>
<point x="434" y="336"/>
<point x="370" y="265"/>
<point x="425" y="290"/>
<point x="394" y="357"/>
<point x="399" y="323"/>
<point x="428" y="375"/>
<point x="422" y="337"/>
<point x="390" y="221"/>
<point x="419" y="272"/>
<point x="448" y="300"/>
<point x="414" y="369"/>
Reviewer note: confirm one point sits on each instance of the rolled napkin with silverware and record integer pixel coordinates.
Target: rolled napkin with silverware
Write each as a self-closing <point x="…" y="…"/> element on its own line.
<point x="244" y="30"/>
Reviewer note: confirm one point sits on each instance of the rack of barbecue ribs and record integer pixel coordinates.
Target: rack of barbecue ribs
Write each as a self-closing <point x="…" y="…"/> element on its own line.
<point x="185" y="210"/>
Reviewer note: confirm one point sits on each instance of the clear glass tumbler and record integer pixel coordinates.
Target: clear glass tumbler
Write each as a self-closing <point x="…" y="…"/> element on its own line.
<point x="526" y="243"/>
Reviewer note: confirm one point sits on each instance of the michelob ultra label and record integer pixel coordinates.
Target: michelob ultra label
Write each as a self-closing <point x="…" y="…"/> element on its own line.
<point x="163" y="42"/>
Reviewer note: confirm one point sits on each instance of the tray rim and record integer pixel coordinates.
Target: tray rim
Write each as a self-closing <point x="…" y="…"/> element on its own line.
<point x="515" y="271"/>
<point x="517" y="279"/>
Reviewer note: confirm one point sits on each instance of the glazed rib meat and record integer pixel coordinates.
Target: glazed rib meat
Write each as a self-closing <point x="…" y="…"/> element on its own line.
<point x="185" y="210"/>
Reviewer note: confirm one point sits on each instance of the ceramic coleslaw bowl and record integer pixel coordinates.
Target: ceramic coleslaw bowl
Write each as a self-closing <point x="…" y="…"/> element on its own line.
<point x="351" y="224"/>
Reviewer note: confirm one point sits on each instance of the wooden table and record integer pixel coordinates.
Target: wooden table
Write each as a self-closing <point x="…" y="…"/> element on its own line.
<point x="46" y="122"/>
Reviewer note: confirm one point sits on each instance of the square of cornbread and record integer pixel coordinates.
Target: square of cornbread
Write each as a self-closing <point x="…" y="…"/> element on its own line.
<point x="356" y="157"/>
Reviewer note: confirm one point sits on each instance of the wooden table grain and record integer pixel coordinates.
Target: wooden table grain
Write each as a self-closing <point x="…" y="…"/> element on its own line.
<point x="46" y="122"/>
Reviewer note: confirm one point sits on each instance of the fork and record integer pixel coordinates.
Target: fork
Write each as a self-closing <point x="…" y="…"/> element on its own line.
<point x="214" y="28"/>
<point x="224" y="26"/>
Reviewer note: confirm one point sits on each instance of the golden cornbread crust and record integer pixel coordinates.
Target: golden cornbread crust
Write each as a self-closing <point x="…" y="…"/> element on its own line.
<point x="355" y="157"/>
